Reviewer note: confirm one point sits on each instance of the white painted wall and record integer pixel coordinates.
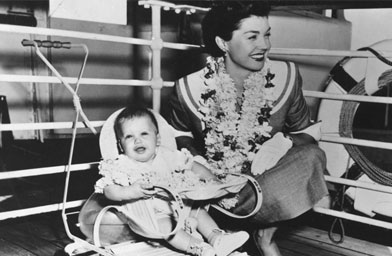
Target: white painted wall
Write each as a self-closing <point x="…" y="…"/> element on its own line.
<point x="104" y="11"/>
<point x="309" y="30"/>
<point x="369" y="26"/>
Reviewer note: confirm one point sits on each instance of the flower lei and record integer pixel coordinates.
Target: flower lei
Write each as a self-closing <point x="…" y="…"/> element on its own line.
<point x="233" y="133"/>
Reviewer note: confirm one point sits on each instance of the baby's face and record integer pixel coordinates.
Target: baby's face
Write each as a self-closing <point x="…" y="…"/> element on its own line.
<point x="139" y="139"/>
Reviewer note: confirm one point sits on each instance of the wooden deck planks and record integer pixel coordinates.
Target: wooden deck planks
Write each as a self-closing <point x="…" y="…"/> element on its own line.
<point x="310" y="247"/>
<point x="33" y="236"/>
<point x="350" y="246"/>
<point x="8" y="248"/>
<point x="43" y="235"/>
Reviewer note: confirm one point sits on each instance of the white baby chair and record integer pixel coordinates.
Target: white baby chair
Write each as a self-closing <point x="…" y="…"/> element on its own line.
<point x="139" y="215"/>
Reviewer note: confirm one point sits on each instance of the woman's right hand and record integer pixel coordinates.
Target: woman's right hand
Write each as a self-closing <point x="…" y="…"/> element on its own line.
<point x="270" y="153"/>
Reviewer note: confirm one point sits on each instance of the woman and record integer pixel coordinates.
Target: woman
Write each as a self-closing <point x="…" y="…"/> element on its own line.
<point x="245" y="113"/>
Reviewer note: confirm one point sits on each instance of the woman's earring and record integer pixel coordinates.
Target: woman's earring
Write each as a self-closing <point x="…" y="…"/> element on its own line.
<point x="159" y="140"/>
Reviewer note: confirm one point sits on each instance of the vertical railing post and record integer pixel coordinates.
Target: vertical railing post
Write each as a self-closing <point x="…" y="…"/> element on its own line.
<point x="156" y="47"/>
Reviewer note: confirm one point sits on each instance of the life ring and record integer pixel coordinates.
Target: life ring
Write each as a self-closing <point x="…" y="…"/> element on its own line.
<point x="360" y="76"/>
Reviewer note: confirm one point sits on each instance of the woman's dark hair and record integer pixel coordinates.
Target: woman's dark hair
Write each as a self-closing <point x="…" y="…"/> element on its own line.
<point x="132" y="112"/>
<point x="224" y="18"/>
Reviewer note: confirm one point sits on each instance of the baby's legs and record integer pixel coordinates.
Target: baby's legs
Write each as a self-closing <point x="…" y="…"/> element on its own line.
<point x="205" y="223"/>
<point x="183" y="241"/>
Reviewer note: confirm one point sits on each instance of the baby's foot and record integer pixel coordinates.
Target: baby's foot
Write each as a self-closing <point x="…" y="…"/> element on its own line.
<point x="201" y="249"/>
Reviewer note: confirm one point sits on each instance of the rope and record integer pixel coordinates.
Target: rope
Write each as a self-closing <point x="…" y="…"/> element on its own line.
<point x="339" y="220"/>
<point x="341" y="235"/>
<point x="377" y="54"/>
<point x="345" y="130"/>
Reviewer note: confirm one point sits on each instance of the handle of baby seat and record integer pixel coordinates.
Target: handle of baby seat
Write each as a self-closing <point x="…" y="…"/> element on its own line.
<point x="97" y="223"/>
<point x="178" y="208"/>
<point x="259" y="199"/>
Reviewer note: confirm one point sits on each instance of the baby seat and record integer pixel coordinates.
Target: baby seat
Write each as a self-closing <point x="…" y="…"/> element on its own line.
<point x="140" y="215"/>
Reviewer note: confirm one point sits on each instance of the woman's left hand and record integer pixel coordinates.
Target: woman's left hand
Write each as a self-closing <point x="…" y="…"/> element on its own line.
<point x="270" y="153"/>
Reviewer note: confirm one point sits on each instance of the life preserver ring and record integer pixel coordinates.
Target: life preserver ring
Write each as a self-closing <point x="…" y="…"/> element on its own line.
<point x="360" y="76"/>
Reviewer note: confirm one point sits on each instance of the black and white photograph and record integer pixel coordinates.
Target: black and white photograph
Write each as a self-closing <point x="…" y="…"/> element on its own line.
<point x="204" y="128"/>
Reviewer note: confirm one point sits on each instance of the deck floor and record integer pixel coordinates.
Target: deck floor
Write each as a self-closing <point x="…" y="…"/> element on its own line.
<point x="44" y="235"/>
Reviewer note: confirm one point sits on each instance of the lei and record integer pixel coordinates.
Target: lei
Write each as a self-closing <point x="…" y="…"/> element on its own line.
<point x="234" y="131"/>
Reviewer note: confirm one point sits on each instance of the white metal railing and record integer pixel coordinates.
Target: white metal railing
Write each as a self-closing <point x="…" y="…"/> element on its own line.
<point x="46" y="125"/>
<point x="40" y="209"/>
<point x="38" y="172"/>
<point x="72" y="80"/>
<point x="156" y="83"/>
<point x="45" y="171"/>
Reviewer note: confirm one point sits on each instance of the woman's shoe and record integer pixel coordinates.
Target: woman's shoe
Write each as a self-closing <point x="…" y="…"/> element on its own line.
<point x="256" y="237"/>
<point x="265" y="237"/>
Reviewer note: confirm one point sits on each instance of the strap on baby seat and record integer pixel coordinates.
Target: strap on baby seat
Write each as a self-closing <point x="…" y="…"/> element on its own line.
<point x="258" y="194"/>
<point x="141" y="217"/>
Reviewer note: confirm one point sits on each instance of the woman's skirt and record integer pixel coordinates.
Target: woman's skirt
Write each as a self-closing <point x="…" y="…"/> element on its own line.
<point x="290" y="188"/>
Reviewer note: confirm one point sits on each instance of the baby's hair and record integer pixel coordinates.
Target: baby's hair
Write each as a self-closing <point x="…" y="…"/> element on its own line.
<point x="133" y="112"/>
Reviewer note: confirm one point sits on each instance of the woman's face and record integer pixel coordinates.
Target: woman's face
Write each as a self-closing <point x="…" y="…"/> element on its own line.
<point x="139" y="138"/>
<point x="248" y="48"/>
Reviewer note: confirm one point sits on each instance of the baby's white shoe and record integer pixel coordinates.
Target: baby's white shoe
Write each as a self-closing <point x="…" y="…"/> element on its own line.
<point x="225" y="243"/>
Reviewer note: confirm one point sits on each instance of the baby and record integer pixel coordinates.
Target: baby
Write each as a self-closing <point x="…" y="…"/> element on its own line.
<point x="139" y="144"/>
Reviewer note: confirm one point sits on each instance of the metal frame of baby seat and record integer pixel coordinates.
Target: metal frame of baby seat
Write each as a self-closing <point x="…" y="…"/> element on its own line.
<point x="79" y="112"/>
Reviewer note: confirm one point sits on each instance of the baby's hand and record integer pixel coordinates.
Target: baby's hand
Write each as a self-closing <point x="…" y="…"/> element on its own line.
<point x="143" y="190"/>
